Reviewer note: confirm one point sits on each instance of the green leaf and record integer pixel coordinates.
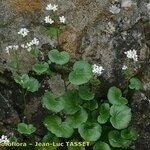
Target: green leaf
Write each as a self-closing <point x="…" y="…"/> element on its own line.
<point x="57" y="127"/>
<point x="32" y="85"/>
<point x="22" y="80"/>
<point x="78" y="118"/>
<point x="90" y="131"/>
<point x="115" y="96"/>
<point x="57" y="57"/>
<point x="104" y="113"/>
<point x="40" y="67"/>
<point x="116" y="140"/>
<point x="135" y="83"/>
<point x="52" y="103"/>
<point x="120" y="116"/>
<point x="101" y="146"/>
<point x="71" y="100"/>
<point x="12" y="66"/>
<point x="129" y="133"/>
<point x="91" y="105"/>
<point x="53" y="31"/>
<point x="35" y="51"/>
<point x="26" y="129"/>
<point x="29" y="83"/>
<point x="82" y="73"/>
<point x="95" y="82"/>
<point x="85" y="93"/>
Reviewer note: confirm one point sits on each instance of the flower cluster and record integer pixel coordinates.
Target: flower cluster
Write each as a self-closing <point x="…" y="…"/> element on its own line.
<point x="4" y="139"/>
<point x="114" y="9"/>
<point x="132" y="54"/>
<point x="52" y="7"/>
<point x="48" y="19"/>
<point x="29" y="45"/>
<point x="23" y="31"/>
<point x="15" y="47"/>
<point x="97" y="70"/>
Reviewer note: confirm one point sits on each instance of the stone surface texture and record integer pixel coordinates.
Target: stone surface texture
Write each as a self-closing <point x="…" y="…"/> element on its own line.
<point x="92" y="33"/>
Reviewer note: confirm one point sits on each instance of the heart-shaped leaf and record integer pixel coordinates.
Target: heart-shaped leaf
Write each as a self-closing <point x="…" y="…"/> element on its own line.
<point x="53" y="31"/>
<point x="40" y="67"/>
<point x="101" y="146"/>
<point x="32" y="85"/>
<point x="135" y="83"/>
<point x="116" y="140"/>
<point x="12" y="66"/>
<point x="57" y="127"/>
<point x="90" y="131"/>
<point x="71" y="100"/>
<point x="52" y="103"/>
<point x="57" y="57"/>
<point x="129" y="133"/>
<point x="78" y="118"/>
<point x="104" y="113"/>
<point x="85" y="93"/>
<point x="26" y="129"/>
<point x="29" y="83"/>
<point x="82" y="73"/>
<point x="91" y="105"/>
<point x="115" y="96"/>
<point x="120" y="116"/>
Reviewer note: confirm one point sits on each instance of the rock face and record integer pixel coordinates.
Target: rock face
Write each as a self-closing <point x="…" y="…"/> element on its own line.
<point x="93" y="32"/>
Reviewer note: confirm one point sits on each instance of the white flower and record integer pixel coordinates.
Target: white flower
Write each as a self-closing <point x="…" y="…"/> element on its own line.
<point x="52" y="7"/>
<point x="15" y="47"/>
<point x="148" y="6"/>
<point x="126" y="3"/>
<point x="23" y="31"/>
<point x="48" y="20"/>
<point x="124" y="67"/>
<point x="62" y="19"/>
<point x="35" y="41"/>
<point x="4" y="139"/>
<point x="55" y="7"/>
<point x="97" y="70"/>
<point x="114" y="9"/>
<point x="132" y="54"/>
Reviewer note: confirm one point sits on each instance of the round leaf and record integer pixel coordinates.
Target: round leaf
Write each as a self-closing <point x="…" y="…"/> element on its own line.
<point x="85" y="93"/>
<point x="53" y="31"/>
<point x="57" y="127"/>
<point x="120" y="116"/>
<point x="71" y="100"/>
<point x="51" y="103"/>
<point x="90" y="131"/>
<point x="129" y="133"/>
<point x="40" y="67"/>
<point x="91" y="105"/>
<point x="101" y="146"/>
<point x="82" y="73"/>
<point x="78" y="118"/>
<point x="115" y="96"/>
<point x="135" y="83"/>
<point x="104" y="113"/>
<point x="32" y="85"/>
<point x="26" y="129"/>
<point x="116" y="140"/>
<point x="57" y="57"/>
